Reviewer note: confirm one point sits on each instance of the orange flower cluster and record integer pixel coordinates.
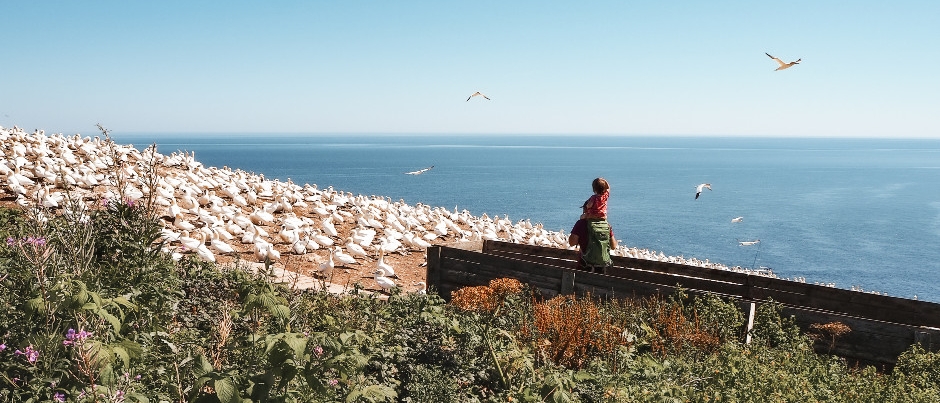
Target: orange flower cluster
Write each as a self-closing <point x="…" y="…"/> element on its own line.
<point x="568" y="330"/>
<point x="485" y="298"/>
<point x="831" y="331"/>
<point x="505" y="286"/>
<point x="674" y="332"/>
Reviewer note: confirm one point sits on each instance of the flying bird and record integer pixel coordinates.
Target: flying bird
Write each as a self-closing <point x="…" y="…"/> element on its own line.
<point x="781" y="63"/>
<point x="478" y="93"/>
<point x="698" y="189"/>
<point x="420" y="171"/>
<point x="749" y="243"/>
<point x="737" y="219"/>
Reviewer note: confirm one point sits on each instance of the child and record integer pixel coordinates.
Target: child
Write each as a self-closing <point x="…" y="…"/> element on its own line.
<point x="595" y="208"/>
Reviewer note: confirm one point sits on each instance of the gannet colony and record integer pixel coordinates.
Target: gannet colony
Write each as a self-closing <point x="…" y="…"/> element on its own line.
<point x="212" y="212"/>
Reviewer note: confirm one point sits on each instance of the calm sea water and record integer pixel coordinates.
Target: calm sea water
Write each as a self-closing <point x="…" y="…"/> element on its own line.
<point x="854" y="212"/>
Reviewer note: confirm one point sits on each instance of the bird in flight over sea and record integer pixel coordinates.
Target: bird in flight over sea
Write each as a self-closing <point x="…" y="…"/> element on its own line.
<point x="749" y="243"/>
<point x="698" y="189"/>
<point x="737" y="219"/>
<point x="420" y="171"/>
<point x="781" y="63"/>
<point x="477" y="94"/>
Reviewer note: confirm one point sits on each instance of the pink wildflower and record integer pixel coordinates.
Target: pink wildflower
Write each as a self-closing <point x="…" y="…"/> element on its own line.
<point x="31" y="355"/>
<point x="72" y="337"/>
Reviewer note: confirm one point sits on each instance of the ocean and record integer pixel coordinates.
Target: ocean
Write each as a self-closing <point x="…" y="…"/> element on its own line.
<point x="859" y="213"/>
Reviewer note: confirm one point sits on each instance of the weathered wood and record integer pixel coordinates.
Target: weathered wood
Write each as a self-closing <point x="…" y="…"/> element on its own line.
<point x="878" y="307"/>
<point x="433" y="271"/>
<point x="868" y="340"/>
<point x="567" y="282"/>
<point x="882" y="327"/>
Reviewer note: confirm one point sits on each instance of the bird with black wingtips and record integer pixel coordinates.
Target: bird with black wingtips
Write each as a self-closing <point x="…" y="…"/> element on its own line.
<point x="477" y="94"/>
<point x="782" y="64"/>
<point x="699" y="188"/>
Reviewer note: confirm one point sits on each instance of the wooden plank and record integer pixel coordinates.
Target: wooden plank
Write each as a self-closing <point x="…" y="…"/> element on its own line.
<point x="567" y="282"/>
<point x="878" y="307"/>
<point x="625" y="288"/>
<point x="494" y="247"/>
<point x="872" y="341"/>
<point x="869" y="340"/>
<point x="433" y="271"/>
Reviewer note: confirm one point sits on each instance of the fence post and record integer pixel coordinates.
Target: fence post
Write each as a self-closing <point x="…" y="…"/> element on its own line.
<point x="433" y="272"/>
<point x="567" y="282"/>
<point x="750" y="308"/>
<point x="923" y="339"/>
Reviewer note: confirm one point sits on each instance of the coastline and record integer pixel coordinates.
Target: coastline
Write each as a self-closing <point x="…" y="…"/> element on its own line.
<point x="226" y="199"/>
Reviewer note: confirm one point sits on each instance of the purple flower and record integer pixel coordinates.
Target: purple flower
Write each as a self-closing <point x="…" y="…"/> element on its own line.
<point x="3" y="346"/>
<point x="31" y="355"/>
<point x="333" y="382"/>
<point x="72" y="337"/>
<point x="35" y="241"/>
<point x="11" y="242"/>
<point x="129" y="202"/>
<point x="59" y="397"/>
<point x="318" y="350"/>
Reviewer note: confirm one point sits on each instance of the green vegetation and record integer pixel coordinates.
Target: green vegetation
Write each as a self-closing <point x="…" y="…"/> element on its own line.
<point x="92" y="311"/>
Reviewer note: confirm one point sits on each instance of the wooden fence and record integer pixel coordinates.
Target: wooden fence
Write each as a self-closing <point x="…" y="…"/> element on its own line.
<point x="882" y="326"/>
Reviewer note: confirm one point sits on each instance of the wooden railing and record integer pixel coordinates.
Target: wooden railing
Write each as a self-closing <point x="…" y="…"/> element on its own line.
<point x="882" y="326"/>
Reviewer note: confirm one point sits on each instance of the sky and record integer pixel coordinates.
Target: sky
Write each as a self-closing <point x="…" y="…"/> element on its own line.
<point x="686" y="68"/>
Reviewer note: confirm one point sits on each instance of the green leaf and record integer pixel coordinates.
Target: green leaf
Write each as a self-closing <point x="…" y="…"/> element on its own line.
<point x="203" y="367"/>
<point x="121" y="353"/>
<point x="373" y="393"/>
<point x="111" y="319"/>
<point x="280" y="311"/>
<point x="35" y="305"/>
<point x="226" y="391"/>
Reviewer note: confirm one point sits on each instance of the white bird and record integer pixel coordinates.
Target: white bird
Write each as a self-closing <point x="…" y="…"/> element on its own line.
<point x="782" y="64"/>
<point x="737" y="219"/>
<point x="355" y="249"/>
<point x="749" y="243"/>
<point x="326" y="268"/>
<point x="698" y="189"/>
<point x="477" y="94"/>
<point x="329" y="228"/>
<point x="385" y="268"/>
<point x="299" y="247"/>
<point x="342" y="257"/>
<point x="322" y="239"/>
<point x="384" y="282"/>
<point x="189" y="242"/>
<point x="420" y="171"/>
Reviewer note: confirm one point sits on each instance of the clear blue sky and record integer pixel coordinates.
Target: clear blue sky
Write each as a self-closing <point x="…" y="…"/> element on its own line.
<point x="869" y="69"/>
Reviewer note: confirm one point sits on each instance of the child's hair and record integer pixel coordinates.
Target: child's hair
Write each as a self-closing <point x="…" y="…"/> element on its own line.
<point x="600" y="185"/>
